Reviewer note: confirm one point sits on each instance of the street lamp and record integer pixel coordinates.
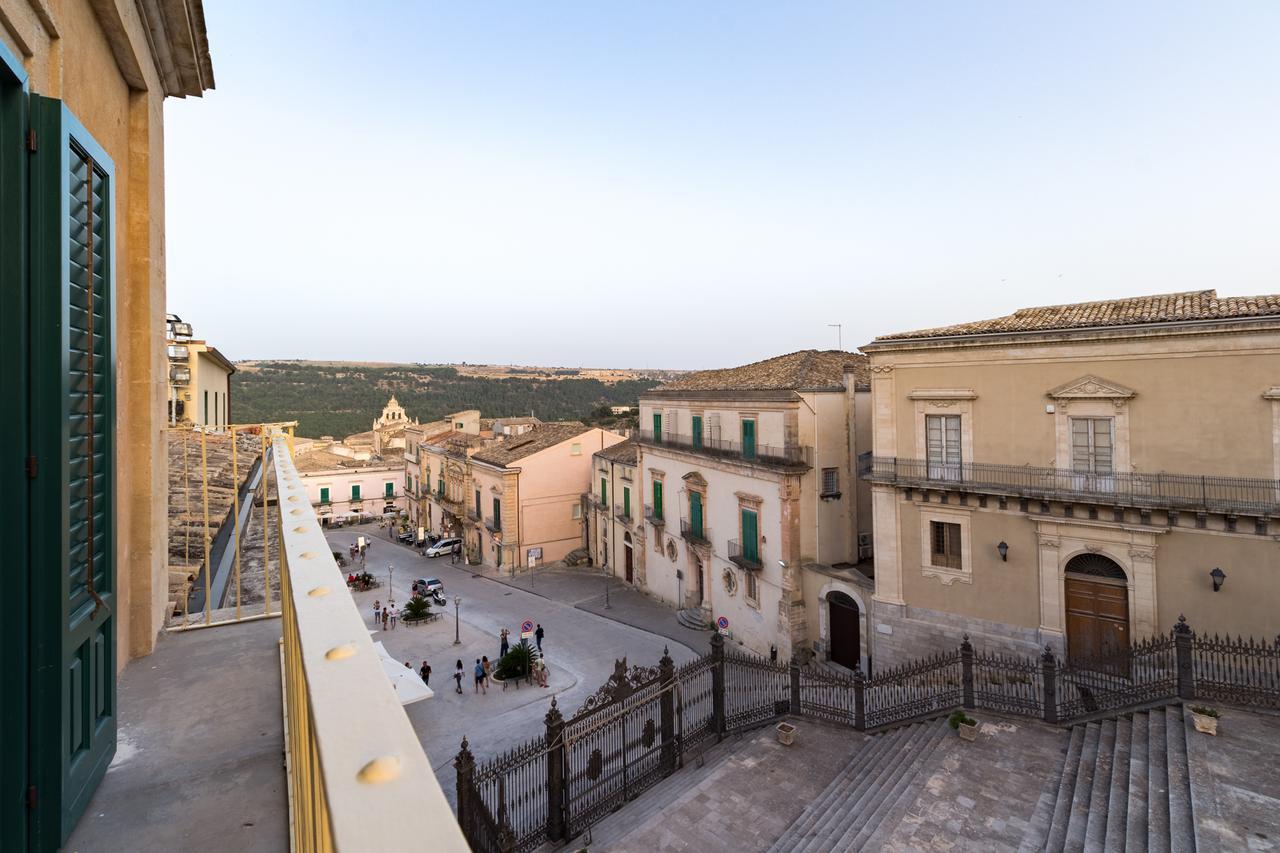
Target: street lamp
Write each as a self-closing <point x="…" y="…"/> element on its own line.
<point x="457" y="602"/>
<point x="1217" y="576"/>
<point x="607" y="605"/>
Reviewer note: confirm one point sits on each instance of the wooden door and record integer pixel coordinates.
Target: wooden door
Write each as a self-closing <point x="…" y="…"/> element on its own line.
<point x="843" y="613"/>
<point x="627" y="549"/>
<point x="1097" y="618"/>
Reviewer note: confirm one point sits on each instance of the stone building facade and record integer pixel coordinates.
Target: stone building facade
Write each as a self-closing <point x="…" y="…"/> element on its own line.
<point x="1071" y="476"/>
<point x="615" y="514"/>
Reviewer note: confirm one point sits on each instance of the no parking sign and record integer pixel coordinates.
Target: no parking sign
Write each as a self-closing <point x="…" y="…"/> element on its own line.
<point x="723" y="625"/>
<point x="526" y="629"/>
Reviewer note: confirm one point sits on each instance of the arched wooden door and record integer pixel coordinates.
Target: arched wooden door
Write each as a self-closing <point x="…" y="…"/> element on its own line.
<point x="1097" y="596"/>
<point x="627" y="551"/>
<point x="843" y="617"/>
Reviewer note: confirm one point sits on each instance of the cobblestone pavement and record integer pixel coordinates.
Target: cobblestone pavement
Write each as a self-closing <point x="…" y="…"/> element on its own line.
<point x="580" y="649"/>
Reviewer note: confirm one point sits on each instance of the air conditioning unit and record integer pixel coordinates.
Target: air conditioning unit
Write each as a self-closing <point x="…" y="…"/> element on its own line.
<point x="180" y="375"/>
<point x="865" y="549"/>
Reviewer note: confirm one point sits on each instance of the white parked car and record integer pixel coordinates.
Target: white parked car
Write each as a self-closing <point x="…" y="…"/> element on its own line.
<point x="442" y="548"/>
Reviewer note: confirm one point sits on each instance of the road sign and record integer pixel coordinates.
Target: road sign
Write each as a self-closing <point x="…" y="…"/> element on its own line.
<point x="526" y="628"/>
<point x="723" y="623"/>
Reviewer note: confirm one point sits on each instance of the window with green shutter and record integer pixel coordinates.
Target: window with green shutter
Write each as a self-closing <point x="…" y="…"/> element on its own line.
<point x="657" y="499"/>
<point x="657" y="427"/>
<point x="390" y="490"/>
<point x="355" y="491"/>
<point x="324" y="494"/>
<point x="695" y="513"/>
<point x="626" y="502"/>
<point x="748" y="438"/>
<point x="497" y="516"/>
<point x="697" y="432"/>
<point x="72" y="415"/>
<point x="604" y="492"/>
<point x="750" y="535"/>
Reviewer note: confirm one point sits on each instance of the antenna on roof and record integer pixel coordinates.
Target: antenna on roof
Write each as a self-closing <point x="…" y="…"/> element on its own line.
<point x="839" y="334"/>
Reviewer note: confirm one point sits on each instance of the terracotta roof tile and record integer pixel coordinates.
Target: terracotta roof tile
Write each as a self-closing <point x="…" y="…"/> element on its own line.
<point x="624" y="452"/>
<point x="516" y="447"/>
<point x="804" y="370"/>
<point x="1134" y="310"/>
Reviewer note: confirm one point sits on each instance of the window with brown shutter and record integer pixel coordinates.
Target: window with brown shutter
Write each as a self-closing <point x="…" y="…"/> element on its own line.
<point x="945" y="548"/>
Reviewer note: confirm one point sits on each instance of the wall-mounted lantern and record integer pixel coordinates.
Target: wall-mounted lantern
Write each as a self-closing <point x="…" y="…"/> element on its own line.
<point x="1003" y="548"/>
<point x="1218" y="576"/>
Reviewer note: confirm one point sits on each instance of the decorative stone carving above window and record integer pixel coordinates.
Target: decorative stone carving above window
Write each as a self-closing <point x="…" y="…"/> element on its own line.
<point x="1092" y="387"/>
<point x="942" y="394"/>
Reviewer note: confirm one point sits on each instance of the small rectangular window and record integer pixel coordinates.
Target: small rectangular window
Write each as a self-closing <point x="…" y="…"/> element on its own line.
<point x="753" y="586"/>
<point x="355" y="491"/>
<point x="390" y="490"/>
<point x="577" y="512"/>
<point x="324" y="494"/>
<point x="575" y="449"/>
<point x="944" y="547"/>
<point x="830" y="481"/>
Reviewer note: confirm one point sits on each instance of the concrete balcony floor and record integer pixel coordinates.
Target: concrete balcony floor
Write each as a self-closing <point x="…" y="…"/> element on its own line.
<point x="200" y="760"/>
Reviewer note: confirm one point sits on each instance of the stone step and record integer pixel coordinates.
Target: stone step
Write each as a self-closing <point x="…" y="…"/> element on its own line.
<point x="1157" y="784"/>
<point x="1182" y="832"/>
<point x="882" y="822"/>
<point x="1136" y="816"/>
<point x="693" y="617"/>
<point x="1100" y="800"/>
<point x="1037" y="831"/>
<point x="1078" y="817"/>
<point x="834" y="794"/>
<point x="1118" y="799"/>
<point x="899" y="743"/>
<point x="1057" y="836"/>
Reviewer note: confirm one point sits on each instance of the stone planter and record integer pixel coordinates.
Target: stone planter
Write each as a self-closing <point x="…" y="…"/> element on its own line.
<point x="968" y="732"/>
<point x="786" y="733"/>
<point x="1205" y="723"/>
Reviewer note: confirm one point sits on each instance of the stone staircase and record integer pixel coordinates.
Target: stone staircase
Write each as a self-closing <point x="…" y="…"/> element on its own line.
<point x="1123" y="785"/>
<point x="862" y="805"/>
<point x="694" y="617"/>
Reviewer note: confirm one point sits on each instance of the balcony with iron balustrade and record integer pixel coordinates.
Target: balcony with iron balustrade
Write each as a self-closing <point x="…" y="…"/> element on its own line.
<point x="1173" y="492"/>
<point x="652" y="516"/>
<point x="206" y="718"/>
<point x="745" y="558"/>
<point x="788" y="456"/>
<point x="622" y="513"/>
<point x="700" y="535"/>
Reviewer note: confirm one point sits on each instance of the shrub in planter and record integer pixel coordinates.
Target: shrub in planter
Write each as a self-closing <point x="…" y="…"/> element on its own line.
<point x="415" y="609"/>
<point x="516" y="663"/>
<point x="964" y="724"/>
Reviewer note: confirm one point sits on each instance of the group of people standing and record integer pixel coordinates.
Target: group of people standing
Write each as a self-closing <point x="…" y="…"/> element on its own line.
<point x="385" y="616"/>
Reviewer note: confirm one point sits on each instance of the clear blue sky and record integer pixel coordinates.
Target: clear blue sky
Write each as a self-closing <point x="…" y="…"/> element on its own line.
<point x="705" y="184"/>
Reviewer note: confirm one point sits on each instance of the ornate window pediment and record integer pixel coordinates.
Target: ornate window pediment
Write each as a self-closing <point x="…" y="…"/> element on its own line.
<point x="693" y="478"/>
<point x="1092" y="388"/>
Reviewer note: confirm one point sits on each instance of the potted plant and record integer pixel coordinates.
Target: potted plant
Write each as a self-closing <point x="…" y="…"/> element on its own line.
<point x="786" y="733"/>
<point x="964" y="724"/>
<point x="1205" y="719"/>
<point x="517" y="663"/>
<point x="415" y="610"/>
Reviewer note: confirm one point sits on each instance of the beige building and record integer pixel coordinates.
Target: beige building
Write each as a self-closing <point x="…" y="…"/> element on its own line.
<point x="420" y="441"/>
<point x="344" y="488"/>
<point x="199" y="384"/>
<point x="751" y="513"/>
<point x="515" y="500"/>
<point x="1073" y="476"/>
<point x="615" y="514"/>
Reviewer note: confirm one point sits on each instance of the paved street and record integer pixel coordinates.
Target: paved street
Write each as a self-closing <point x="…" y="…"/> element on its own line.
<point x="580" y="648"/>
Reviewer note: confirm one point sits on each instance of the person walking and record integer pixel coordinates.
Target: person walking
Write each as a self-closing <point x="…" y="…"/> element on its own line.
<point x="480" y="685"/>
<point x="377" y="613"/>
<point x="425" y="672"/>
<point x="395" y="614"/>
<point x="504" y="643"/>
<point x="454" y="552"/>
<point x="488" y="668"/>
<point x="538" y="635"/>
<point x="386" y="617"/>
<point x="457" y="678"/>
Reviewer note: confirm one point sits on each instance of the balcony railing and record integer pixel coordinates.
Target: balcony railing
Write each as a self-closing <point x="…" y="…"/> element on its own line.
<point x="1189" y="492"/>
<point x="473" y="514"/>
<point x="699" y="535"/>
<point x="653" y="517"/>
<point x="622" y="513"/>
<point x="493" y="525"/>
<point x="745" y="558"/>
<point x="791" y="455"/>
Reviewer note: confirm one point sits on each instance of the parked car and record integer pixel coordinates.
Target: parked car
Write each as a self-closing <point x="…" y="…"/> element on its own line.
<point x="431" y="585"/>
<point x="444" y="546"/>
<point x="406" y="537"/>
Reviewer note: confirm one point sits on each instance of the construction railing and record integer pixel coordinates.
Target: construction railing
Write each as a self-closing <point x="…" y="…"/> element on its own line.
<point x="355" y="767"/>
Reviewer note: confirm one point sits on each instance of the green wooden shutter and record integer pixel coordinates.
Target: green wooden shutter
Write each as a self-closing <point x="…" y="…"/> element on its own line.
<point x="497" y="517"/>
<point x="355" y="491"/>
<point x="391" y="490"/>
<point x="657" y="428"/>
<point x="324" y="494"/>
<point x="657" y="498"/>
<point x="748" y="439"/>
<point x="626" y="502"/>
<point x="16" y="665"/>
<point x="695" y="513"/>
<point x="697" y="432"/>
<point x="604" y="492"/>
<point x="750" y="536"/>
<point x="72" y="440"/>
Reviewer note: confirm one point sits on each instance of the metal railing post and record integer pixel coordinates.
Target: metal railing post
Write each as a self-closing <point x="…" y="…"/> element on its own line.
<point x="717" y="685"/>
<point x="555" y="773"/>
<point x="966" y="670"/>
<point x="465" y="766"/>
<point x="667" y="677"/>
<point x="1049" y="684"/>
<point x="1182" y="647"/>
<point x="859" y="701"/>
<point x="795" y="687"/>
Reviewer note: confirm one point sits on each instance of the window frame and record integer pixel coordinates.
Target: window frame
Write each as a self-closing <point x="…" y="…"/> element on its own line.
<point x="963" y="571"/>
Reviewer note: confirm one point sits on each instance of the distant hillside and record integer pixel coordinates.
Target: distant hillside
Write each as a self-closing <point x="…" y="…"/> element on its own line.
<point x="335" y="398"/>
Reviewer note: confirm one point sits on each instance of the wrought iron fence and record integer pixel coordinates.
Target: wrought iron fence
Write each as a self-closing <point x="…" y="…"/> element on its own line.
<point x="1191" y="492"/>
<point x="641" y="724"/>
<point x="791" y="455"/>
